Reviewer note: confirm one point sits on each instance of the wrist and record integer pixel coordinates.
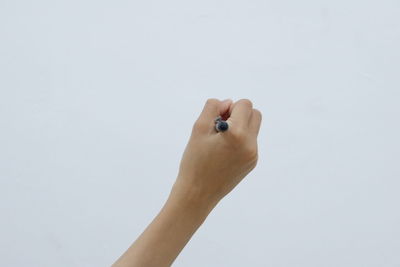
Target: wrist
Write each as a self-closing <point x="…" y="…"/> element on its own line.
<point x="191" y="198"/>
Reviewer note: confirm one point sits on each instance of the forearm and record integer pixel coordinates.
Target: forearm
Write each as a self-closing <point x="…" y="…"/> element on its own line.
<point x="169" y="232"/>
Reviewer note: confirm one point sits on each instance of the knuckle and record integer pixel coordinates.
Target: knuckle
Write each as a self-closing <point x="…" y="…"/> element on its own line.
<point x="238" y="132"/>
<point x="211" y="101"/>
<point x="239" y="135"/>
<point x="258" y="113"/>
<point x="247" y="102"/>
<point x="251" y="153"/>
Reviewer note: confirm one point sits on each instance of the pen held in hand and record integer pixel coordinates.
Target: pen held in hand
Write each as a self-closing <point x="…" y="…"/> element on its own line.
<point x="220" y="124"/>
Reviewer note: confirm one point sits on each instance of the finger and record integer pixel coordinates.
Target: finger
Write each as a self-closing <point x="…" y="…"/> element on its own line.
<point x="255" y="122"/>
<point x="224" y="108"/>
<point x="240" y="113"/>
<point x="214" y="108"/>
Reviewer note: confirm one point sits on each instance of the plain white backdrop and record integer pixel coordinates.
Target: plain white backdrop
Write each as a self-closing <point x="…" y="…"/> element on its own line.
<point x="97" y="101"/>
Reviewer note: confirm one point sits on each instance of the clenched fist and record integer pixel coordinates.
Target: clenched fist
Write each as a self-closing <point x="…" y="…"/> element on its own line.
<point x="213" y="163"/>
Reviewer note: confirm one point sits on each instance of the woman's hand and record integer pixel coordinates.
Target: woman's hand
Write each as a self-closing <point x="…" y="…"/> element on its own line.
<point x="214" y="162"/>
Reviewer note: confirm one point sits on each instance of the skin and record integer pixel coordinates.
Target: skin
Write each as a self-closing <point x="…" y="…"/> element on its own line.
<point x="212" y="164"/>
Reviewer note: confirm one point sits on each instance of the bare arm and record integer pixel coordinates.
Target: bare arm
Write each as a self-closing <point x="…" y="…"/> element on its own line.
<point x="213" y="163"/>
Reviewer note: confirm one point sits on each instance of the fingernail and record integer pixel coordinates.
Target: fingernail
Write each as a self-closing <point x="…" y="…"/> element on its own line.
<point x="227" y="100"/>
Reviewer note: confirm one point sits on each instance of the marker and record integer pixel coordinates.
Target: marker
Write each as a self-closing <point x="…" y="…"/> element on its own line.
<point x="220" y="124"/>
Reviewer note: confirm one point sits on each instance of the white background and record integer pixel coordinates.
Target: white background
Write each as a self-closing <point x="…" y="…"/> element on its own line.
<point x="97" y="100"/>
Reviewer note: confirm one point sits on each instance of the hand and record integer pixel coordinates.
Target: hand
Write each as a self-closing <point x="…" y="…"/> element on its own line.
<point x="213" y="163"/>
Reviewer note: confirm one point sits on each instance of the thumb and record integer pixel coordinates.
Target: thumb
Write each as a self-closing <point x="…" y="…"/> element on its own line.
<point x="214" y="108"/>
